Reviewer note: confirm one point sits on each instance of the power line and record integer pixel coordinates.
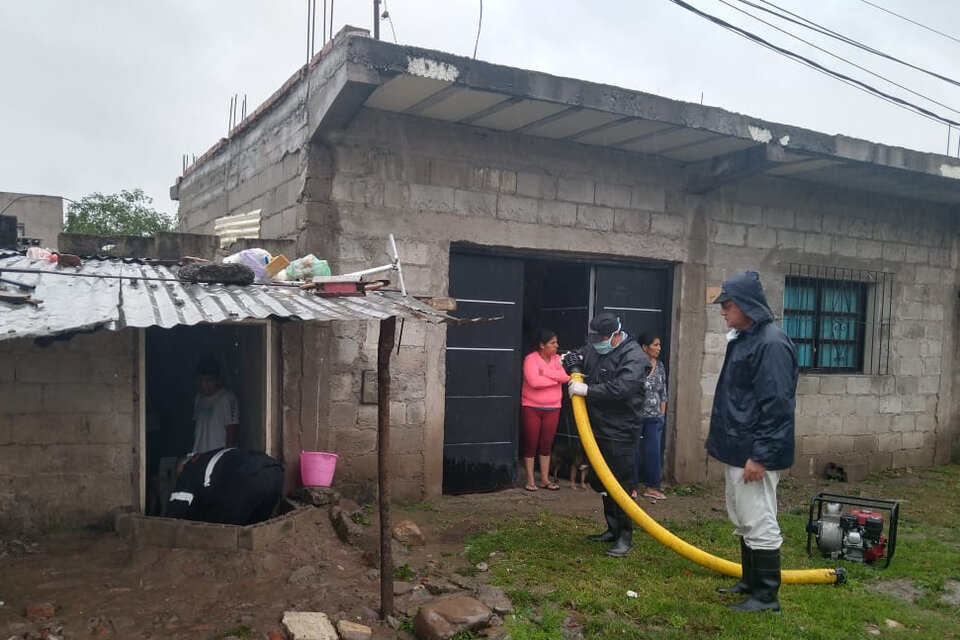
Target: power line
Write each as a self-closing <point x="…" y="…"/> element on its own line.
<point x="479" y="25"/>
<point x="922" y="26"/>
<point x="813" y="26"/>
<point x="386" y="16"/>
<point x="819" y="67"/>
<point x="838" y="57"/>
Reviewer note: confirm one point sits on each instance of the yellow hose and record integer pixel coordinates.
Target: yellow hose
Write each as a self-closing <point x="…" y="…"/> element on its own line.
<point x="655" y="529"/>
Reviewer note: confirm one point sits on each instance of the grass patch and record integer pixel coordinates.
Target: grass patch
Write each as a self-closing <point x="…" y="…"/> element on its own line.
<point x="419" y="506"/>
<point x="404" y="573"/>
<point x="549" y="571"/>
<point x="686" y="490"/>
<point x="241" y="631"/>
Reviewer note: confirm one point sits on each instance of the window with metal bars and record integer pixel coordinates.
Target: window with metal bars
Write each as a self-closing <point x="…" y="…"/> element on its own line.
<point x="839" y="319"/>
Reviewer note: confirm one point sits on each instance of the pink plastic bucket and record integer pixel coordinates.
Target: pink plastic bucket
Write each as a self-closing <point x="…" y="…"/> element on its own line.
<point x="316" y="468"/>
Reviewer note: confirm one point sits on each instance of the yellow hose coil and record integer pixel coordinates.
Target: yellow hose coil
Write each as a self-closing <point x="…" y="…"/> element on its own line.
<point x="655" y="529"/>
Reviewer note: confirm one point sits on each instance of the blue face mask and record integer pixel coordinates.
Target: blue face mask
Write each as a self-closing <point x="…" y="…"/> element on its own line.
<point x="606" y="346"/>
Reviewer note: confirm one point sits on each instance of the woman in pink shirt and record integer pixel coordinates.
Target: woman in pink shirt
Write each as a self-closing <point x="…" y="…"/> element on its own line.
<point x="540" y="397"/>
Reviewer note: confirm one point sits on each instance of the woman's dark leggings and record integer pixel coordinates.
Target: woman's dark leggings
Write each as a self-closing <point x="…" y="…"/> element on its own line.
<point x="647" y="448"/>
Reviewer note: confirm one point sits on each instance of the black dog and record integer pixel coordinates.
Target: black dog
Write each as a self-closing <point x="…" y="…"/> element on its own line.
<point x="568" y="455"/>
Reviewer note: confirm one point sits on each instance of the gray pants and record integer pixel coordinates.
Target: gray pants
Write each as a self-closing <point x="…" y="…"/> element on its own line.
<point x="752" y="507"/>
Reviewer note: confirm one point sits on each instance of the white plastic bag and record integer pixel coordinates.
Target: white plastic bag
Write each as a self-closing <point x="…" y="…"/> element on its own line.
<point x="256" y="259"/>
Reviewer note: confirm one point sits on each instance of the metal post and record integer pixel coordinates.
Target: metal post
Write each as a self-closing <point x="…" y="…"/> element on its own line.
<point x="376" y="28"/>
<point x="388" y="330"/>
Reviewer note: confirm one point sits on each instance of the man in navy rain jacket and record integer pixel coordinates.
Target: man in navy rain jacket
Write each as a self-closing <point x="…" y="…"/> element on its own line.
<point x="751" y="432"/>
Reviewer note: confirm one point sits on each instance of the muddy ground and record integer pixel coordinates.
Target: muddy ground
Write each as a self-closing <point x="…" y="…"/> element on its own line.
<point x="100" y="587"/>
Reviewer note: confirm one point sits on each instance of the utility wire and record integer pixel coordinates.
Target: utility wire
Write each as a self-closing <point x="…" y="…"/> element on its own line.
<point x="813" y="26"/>
<point x="479" y="25"/>
<point x="922" y="26"/>
<point x="386" y="14"/>
<point x="838" y="57"/>
<point x="819" y="67"/>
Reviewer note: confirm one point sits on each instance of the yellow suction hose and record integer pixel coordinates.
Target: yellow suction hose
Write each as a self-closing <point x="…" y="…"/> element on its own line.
<point x="655" y="529"/>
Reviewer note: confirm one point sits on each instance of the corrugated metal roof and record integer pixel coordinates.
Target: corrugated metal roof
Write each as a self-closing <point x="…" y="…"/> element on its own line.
<point x="114" y="294"/>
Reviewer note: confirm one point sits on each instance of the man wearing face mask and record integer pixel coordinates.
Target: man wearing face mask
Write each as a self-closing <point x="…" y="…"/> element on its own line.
<point x="614" y="367"/>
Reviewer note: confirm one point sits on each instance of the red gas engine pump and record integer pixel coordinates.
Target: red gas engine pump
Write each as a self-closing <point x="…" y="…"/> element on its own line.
<point x="855" y="534"/>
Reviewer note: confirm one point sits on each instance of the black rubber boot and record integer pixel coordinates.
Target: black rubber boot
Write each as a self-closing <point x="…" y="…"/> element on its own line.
<point x="610" y="515"/>
<point x="624" y="541"/>
<point x="746" y="562"/>
<point x="766" y="582"/>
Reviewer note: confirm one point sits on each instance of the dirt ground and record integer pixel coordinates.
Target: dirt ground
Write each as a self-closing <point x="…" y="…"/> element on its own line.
<point x="102" y="588"/>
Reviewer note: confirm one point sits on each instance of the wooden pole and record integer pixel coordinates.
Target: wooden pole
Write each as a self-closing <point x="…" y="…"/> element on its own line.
<point x="388" y="329"/>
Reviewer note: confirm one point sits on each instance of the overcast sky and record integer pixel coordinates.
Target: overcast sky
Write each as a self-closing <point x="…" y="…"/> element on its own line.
<point x="105" y="95"/>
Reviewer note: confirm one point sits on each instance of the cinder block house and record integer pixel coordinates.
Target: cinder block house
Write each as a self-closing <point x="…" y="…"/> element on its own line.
<point x="544" y="200"/>
<point x="97" y="376"/>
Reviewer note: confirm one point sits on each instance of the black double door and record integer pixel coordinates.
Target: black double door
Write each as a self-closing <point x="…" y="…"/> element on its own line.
<point x="484" y="360"/>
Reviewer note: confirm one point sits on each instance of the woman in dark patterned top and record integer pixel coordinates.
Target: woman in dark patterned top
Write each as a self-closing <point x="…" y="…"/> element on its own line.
<point x="650" y="436"/>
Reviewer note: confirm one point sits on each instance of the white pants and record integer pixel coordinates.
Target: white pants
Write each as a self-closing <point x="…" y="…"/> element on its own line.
<point x="752" y="507"/>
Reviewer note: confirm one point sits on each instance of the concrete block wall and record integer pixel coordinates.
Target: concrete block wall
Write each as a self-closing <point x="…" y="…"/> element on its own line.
<point x="434" y="185"/>
<point x="69" y="444"/>
<point x="306" y="379"/>
<point x="41" y="216"/>
<point x="260" y="166"/>
<point x="867" y="421"/>
<point x="440" y="184"/>
<point x="448" y="184"/>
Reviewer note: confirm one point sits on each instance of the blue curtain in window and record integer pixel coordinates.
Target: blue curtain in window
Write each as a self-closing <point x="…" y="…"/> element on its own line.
<point x="800" y="299"/>
<point x="821" y="318"/>
<point x="838" y="326"/>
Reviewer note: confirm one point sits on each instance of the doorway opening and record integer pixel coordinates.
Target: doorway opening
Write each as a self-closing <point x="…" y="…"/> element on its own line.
<point x="484" y="361"/>
<point x="171" y="359"/>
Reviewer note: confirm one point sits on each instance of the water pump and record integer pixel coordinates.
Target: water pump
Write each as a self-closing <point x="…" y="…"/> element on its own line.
<point x="853" y="528"/>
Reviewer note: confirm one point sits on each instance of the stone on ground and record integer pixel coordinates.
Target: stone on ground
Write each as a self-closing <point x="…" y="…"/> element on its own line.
<point x="341" y="516"/>
<point x="409" y="533"/>
<point x="444" y="618"/>
<point x="308" y="625"/>
<point x="495" y="598"/>
<point x="318" y="496"/>
<point x="353" y="631"/>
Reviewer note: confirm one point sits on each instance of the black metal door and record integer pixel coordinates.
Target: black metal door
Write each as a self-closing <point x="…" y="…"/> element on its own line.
<point x="481" y="425"/>
<point x="640" y="297"/>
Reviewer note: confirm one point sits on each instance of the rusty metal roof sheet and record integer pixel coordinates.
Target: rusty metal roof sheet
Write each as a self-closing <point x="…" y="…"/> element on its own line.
<point x="115" y="294"/>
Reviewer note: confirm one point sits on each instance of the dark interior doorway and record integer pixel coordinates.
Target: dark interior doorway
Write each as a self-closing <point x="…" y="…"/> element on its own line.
<point x="484" y="361"/>
<point x="556" y="296"/>
<point x="171" y="360"/>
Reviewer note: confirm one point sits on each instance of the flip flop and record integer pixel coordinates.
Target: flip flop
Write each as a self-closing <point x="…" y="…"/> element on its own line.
<point x="550" y="487"/>
<point x="530" y="487"/>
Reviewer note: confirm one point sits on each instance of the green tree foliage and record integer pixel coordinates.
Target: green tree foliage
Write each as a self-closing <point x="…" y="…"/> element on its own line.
<point x="127" y="213"/>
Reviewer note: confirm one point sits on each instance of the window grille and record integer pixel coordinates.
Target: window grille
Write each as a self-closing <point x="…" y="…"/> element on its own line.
<point x="839" y="319"/>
